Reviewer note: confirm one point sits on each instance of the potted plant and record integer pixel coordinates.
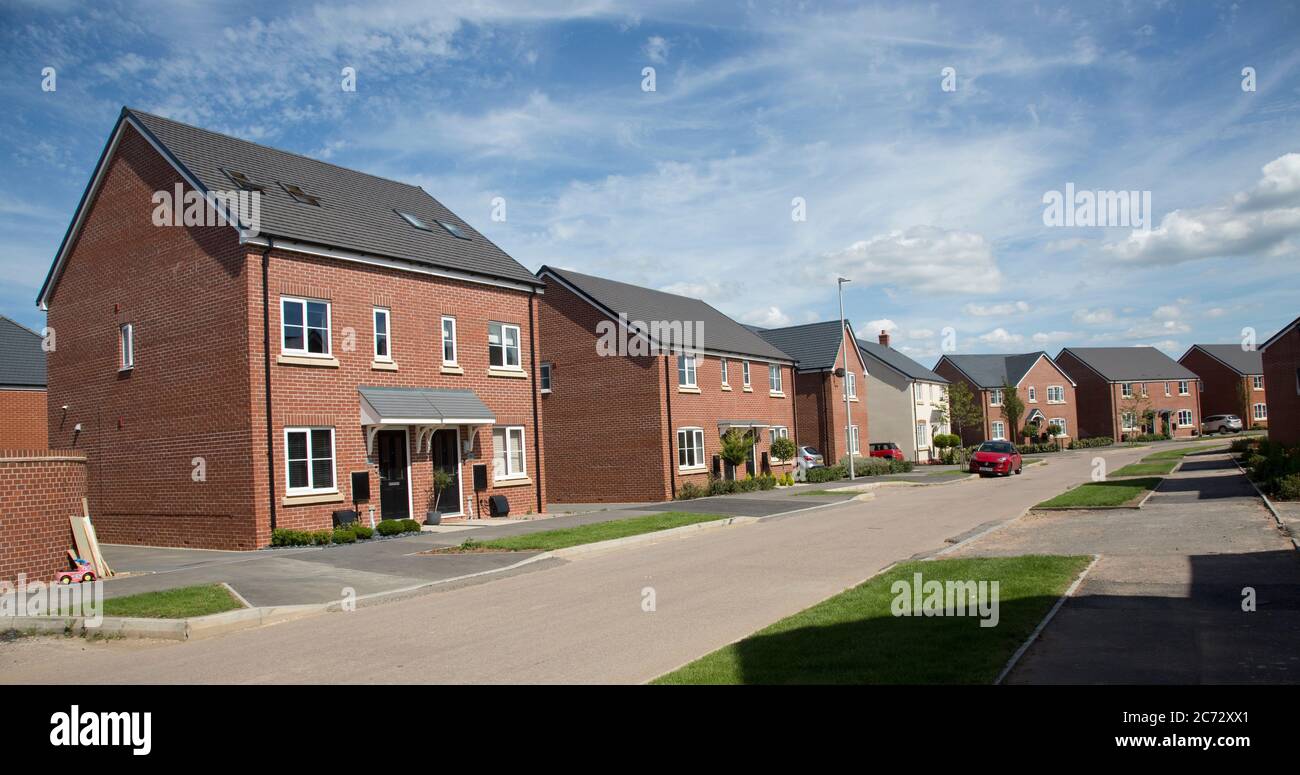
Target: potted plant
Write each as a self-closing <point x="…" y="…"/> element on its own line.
<point x="441" y="481"/>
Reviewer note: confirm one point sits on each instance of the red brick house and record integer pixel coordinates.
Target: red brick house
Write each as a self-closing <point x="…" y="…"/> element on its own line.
<point x="1232" y="381"/>
<point x="22" y="387"/>
<point x="820" y="350"/>
<point x="1132" y="390"/>
<point x="1281" y="362"/>
<point x="227" y="379"/>
<point x="640" y="385"/>
<point x="1044" y="388"/>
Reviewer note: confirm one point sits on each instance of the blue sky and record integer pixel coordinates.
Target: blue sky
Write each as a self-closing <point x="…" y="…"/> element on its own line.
<point x="931" y="201"/>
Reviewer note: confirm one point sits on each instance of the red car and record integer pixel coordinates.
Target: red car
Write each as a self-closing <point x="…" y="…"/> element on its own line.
<point x="996" y="458"/>
<point x="886" y="449"/>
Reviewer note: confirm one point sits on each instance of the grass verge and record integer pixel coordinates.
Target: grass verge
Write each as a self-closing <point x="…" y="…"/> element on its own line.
<point x="1177" y="454"/>
<point x="1145" y="468"/>
<point x="854" y="638"/>
<point x="1097" y="495"/>
<point x="550" y="540"/>
<point x="180" y="603"/>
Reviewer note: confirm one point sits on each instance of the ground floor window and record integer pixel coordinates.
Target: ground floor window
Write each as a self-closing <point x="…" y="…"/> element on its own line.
<point x="1261" y="411"/>
<point x="309" y="459"/>
<point x="1184" y="417"/>
<point x="690" y="448"/>
<point x="922" y="435"/>
<point x="1128" y="420"/>
<point x="508" y="453"/>
<point x="1058" y="422"/>
<point x="999" y="429"/>
<point x="778" y="432"/>
<point x="853" y="440"/>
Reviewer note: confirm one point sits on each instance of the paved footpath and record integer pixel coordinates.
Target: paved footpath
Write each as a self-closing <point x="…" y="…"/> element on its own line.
<point x="582" y="620"/>
<point x="1164" y="602"/>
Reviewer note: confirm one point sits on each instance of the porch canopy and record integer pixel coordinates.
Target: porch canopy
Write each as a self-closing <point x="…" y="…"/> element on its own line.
<point x="426" y="409"/>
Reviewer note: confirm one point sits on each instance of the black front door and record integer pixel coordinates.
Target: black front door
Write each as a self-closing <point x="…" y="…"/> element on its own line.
<point x="445" y="456"/>
<point x="394" y="489"/>
<point x="749" y="459"/>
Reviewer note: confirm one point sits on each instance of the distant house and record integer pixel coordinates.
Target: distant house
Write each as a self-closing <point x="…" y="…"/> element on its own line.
<point x="820" y="350"/>
<point x="22" y="387"/>
<point x="1281" y="362"/>
<point x="1132" y="390"/>
<point x="907" y="402"/>
<point x="1232" y="380"/>
<point x="633" y="407"/>
<point x="1046" y="390"/>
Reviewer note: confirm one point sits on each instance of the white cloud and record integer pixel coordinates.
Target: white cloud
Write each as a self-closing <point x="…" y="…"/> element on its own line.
<point x="920" y="333"/>
<point x="1094" y="317"/>
<point x="1000" y="336"/>
<point x="767" y="317"/>
<point x="656" y="49"/>
<point x="874" y="327"/>
<point x="1048" y="337"/>
<point x="1148" y="329"/>
<point x="1167" y="312"/>
<point x="923" y="258"/>
<point x="1000" y="309"/>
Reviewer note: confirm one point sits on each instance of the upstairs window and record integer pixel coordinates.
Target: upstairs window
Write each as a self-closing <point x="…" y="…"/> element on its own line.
<point x="382" y="352"/>
<point x="686" y="371"/>
<point x="127" y="338"/>
<point x="1055" y="394"/>
<point x="853" y="384"/>
<point x="724" y="372"/>
<point x="449" y="341"/>
<point x="1182" y="388"/>
<point x="995" y="397"/>
<point x="546" y="378"/>
<point x="744" y="372"/>
<point x="503" y="345"/>
<point x="1126" y="389"/>
<point x="305" y="326"/>
<point x="1257" y="382"/>
<point x="1033" y="395"/>
<point x="774" y="377"/>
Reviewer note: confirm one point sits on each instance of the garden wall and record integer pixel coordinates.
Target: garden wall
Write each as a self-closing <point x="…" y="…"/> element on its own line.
<point x="39" y="490"/>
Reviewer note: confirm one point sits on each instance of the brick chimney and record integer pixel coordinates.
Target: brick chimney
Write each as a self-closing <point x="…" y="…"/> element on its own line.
<point x="884" y="338"/>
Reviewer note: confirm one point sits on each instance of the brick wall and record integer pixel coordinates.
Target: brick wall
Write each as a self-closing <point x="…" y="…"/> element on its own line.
<point x="819" y="405"/>
<point x="1043" y="375"/>
<point x="23" y="424"/>
<point x="1282" y="379"/>
<point x="970" y="434"/>
<point x="1094" y="406"/>
<point x="1222" y="394"/>
<point x="40" y="489"/>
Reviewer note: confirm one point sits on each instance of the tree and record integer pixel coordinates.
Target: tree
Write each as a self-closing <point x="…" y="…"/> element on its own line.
<point x="1243" y="398"/>
<point x="783" y="448"/>
<point x="736" y="446"/>
<point x="1136" y="404"/>
<point x="963" y="411"/>
<point x="1013" y="409"/>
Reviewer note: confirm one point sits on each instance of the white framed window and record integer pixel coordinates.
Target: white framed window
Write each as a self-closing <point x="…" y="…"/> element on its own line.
<point x="545" y="378"/>
<point x="382" y="351"/>
<point x="1142" y="388"/>
<point x="690" y="448"/>
<point x="995" y="397"/>
<point x="1184" y="417"/>
<point x="309" y="460"/>
<point x="922" y="434"/>
<point x="999" y="430"/>
<point x="1182" y="388"/>
<point x="304" y="326"/>
<point x="1260" y="411"/>
<point x="1055" y="394"/>
<point x="449" y="340"/>
<point x="1257" y="382"/>
<point x="854" y="447"/>
<point x="853" y="383"/>
<point x="724" y="372"/>
<point x="1126" y="389"/>
<point x="1128" y="421"/>
<point x="686" y="370"/>
<point x="508" y="460"/>
<point x="1033" y="395"/>
<point x="1060" y="423"/>
<point x="1166" y="390"/>
<point x="777" y="432"/>
<point x="503" y="345"/>
<point x="744" y="372"/>
<point x="774" y="377"/>
<point x="126" y="337"/>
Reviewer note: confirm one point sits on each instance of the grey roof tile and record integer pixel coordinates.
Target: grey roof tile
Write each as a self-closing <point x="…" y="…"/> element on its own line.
<point x="1130" y="364"/>
<point x="1242" y="361"/>
<point x="896" y="360"/>
<point x="22" y="361"/>
<point x="995" y="370"/>
<point x="814" y="345"/>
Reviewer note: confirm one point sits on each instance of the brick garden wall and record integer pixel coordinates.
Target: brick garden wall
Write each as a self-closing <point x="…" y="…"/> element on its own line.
<point x="1282" y="380"/>
<point x="40" y="489"/>
<point x="23" y="424"/>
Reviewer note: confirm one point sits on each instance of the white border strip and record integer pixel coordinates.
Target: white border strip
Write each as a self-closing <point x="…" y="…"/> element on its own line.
<point x="1033" y="636"/>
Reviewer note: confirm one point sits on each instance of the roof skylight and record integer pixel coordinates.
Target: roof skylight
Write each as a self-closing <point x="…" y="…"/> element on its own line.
<point x="241" y="180"/>
<point x="299" y="195"/>
<point x="453" y="230"/>
<point x="414" y="221"/>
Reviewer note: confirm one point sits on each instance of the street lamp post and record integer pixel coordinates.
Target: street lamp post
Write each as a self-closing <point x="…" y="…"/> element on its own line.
<point x="848" y="414"/>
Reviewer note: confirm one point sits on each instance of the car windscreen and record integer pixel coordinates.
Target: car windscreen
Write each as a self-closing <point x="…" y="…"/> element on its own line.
<point x="996" y="446"/>
<point x="811" y="450"/>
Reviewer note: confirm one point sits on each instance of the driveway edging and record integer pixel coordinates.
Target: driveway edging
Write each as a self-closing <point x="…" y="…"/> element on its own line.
<point x="1268" y="504"/>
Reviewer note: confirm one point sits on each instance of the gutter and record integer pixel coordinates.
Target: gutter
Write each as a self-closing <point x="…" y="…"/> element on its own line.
<point x="537" y="426"/>
<point x="668" y="402"/>
<point x="266" y="370"/>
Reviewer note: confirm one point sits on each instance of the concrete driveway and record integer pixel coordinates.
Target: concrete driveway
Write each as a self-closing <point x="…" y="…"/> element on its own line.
<point x="583" y="621"/>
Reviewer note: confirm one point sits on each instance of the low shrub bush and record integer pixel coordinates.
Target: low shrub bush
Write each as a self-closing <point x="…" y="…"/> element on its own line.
<point x="748" y="484"/>
<point x="690" y="490"/>
<point x="1038" y="449"/>
<point x="1288" y="488"/>
<point x="827" y="474"/>
<point x="721" y="486"/>
<point x="283" y="536"/>
<point x="363" y="532"/>
<point x="344" y="535"/>
<point x="392" y="527"/>
<point x="1095" y="441"/>
<point x="322" y="537"/>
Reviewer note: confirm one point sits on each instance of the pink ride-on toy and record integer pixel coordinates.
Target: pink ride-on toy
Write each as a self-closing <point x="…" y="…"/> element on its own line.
<point x="83" y="573"/>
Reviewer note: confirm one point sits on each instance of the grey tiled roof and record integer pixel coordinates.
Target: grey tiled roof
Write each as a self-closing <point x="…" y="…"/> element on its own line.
<point x="893" y="358"/>
<point x="1241" y="361"/>
<point x="995" y="370"/>
<point x="356" y="210"/>
<point x="814" y="345"/>
<point x="426" y="403"/>
<point x="1130" y="364"/>
<point x="22" y="361"/>
<point x="719" y="332"/>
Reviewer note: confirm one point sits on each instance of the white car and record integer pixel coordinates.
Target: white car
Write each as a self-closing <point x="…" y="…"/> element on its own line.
<point x="1221" y="423"/>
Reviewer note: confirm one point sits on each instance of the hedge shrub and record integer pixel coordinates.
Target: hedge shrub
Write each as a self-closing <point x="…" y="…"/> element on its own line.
<point x="392" y="527"/>
<point x="689" y="490"/>
<point x="1095" y="441"/>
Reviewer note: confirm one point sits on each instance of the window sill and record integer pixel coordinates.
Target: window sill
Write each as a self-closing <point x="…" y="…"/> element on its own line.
<point x="692" y="469"/>
<point x="328" y="362"/>
<point x="521" y="481"/>
<point x="747" y="389"/>
<point x="853" y="399"/>
<point x="510" y="373"/>
<point x="687" y="389"/>
<point x="383" y="365"/>
<point x="126" y="370"/>
<point x="312" y="498"/>
<point x="776" y="394"/>
<point x="451" y="368"/>
<point x="726" y="388"/>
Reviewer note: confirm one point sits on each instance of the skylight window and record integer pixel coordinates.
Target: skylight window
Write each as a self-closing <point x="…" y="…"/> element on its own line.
<point x="299" y="195"/>
<point x="453" y="230"/>
<point x="414" y="221"/>
<point x="241" y="180"/>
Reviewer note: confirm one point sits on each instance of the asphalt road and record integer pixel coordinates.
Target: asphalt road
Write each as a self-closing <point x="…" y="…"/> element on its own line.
<point x="582" y="621"/>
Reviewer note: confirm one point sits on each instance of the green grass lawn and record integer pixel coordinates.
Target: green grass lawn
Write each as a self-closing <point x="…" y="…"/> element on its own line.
<point x="1102" y="494"/>
<point x="585" y="534"/>
<point x="1176" y="454"/>
<point x="1147" y="468"/>
<point x="180" y="603"/>
<point x="854" y="638"/>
